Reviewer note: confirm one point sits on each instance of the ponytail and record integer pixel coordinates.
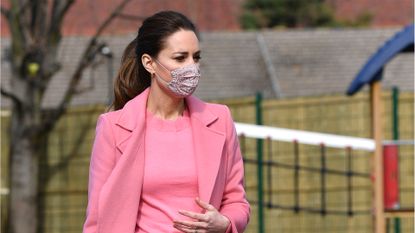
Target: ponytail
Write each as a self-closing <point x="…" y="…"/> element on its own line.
<point x="128" y="82"/>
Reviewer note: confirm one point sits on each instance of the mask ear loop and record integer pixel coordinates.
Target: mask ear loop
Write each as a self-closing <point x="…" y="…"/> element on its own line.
<point x="158" y="76"/>
<point x="162" y="65"/>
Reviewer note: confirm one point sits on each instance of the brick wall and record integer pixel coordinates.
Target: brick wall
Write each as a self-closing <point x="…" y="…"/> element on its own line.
<point x="213" y="15"/>
<point x="386" y="13"/>
<point x="85" y="15"/>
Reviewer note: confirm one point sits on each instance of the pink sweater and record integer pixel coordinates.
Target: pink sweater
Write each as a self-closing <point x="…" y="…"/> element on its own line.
<point x="170" y="176"/>
<point x="116" y="172"/>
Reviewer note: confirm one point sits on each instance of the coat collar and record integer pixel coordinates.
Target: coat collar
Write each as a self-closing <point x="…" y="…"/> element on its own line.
<point x="133" y="113"/>
<point x="208" y="147"/>
<point x="208" y="143"/>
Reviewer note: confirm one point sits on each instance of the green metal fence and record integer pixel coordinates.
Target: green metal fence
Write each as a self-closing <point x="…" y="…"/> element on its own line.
<point x="337" y="115"/>
<point x="64" y="170"/>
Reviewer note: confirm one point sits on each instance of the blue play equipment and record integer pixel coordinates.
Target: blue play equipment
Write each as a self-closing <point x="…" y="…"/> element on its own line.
<point x="403" y="41"/>
<point x="372" y="71"/>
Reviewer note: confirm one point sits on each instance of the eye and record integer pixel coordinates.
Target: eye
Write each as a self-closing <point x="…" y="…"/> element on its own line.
<point x="197" y="57"/>
<point x="180" y="58"/>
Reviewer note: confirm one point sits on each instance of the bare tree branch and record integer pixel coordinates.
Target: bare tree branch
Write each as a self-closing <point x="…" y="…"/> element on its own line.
<point x="114" y="14"/>
<point x="59" y="9"/>
<point x="51" y="69"/>
<point x="5" y="12"/>
<point x="38" y="20"/>
<point x="19" y="26"/>
<point x="91" y="50"/>
<point x="49" y="122"/>
<point x="21" y="13"/>
<point x="19" y="7"/>
<point x="74" y="153"/>
<point x="54" y="35"/>
<point x="97" y="62"/>
<point x="10" y="95"/>
<point x="29" y="128"/>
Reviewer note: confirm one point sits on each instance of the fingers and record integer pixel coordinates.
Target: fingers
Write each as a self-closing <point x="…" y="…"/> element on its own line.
<point x="202" y="221"/>
<point x="200" y="217"/>
<point x="204" y="205"/>
<point x="188" y="225"/>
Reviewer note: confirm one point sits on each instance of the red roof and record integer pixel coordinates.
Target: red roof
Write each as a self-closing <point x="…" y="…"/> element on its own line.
<point x="85" y="16"/>
<point x="213" y="15"/>
<point x="385" y="13"/>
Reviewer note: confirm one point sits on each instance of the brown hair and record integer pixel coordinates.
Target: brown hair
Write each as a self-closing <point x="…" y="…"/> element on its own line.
<point x="133" y="78"/>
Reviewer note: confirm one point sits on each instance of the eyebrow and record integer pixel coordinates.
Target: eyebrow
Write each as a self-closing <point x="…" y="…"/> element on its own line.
<point x="185" y="53"/>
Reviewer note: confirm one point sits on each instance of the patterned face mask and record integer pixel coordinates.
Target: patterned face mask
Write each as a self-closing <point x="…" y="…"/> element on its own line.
<point x="184" y="79"/>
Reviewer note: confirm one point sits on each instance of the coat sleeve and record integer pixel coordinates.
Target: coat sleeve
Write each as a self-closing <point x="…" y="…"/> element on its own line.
<point x="101" y="165"/>
<point x="234" y="204"/>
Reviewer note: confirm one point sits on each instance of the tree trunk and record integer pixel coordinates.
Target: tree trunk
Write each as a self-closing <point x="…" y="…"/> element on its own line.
<point x="35" y="34"/>
<point x="25" y="146"/>
<point x="24" y="166"/>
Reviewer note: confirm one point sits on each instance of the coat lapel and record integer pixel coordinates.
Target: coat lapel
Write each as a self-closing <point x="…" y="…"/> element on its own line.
<point x="208" y="146"/>
<point x="120" y="196"/>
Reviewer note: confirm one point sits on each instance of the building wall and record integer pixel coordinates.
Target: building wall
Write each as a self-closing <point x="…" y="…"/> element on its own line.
<point x="85" y="16"/>
<point x="213" y="15"/>
<point x="325" y="63"/>
<point x="386" y="13"/>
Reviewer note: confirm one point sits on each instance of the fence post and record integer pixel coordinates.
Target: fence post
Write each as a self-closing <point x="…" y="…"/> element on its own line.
<point x="377" y="131"/>
<point x="259" y="142"/>
<point x="395" y="125"/>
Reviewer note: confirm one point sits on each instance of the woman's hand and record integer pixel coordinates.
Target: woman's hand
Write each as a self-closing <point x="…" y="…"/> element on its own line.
<point x="209" y="222"/>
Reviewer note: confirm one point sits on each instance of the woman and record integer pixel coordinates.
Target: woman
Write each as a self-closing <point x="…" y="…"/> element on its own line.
<point x="165" y="161"/>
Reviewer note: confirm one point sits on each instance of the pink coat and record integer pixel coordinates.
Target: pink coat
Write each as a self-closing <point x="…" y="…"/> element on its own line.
<point x="117" y="160"/>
